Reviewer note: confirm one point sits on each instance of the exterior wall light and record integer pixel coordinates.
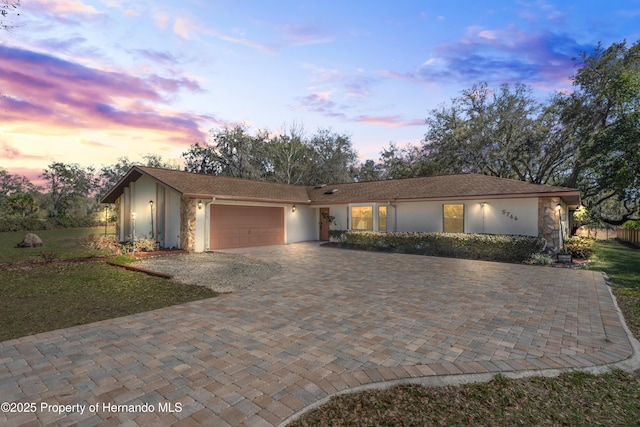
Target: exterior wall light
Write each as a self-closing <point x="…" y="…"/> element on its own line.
<point x="293" y="208"/>
<point x="199" y="204"/>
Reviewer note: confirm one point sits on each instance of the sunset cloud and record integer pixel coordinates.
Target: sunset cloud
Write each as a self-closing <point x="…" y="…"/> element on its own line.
<point x="499" y="56"/>
<point x="49" y="92"/>
<point x="321" y="104"/>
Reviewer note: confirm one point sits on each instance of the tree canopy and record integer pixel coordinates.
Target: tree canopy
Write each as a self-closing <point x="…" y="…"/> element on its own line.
<point x="288" y="157"/>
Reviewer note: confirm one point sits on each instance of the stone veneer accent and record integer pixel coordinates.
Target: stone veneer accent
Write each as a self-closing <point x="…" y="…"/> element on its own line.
<point x="188" y="224"/>
<point x="548" y="221"/>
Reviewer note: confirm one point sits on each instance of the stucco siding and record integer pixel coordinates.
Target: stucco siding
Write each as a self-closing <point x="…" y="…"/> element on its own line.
<point x="301" y="225"/>
<point x="142" y="191"/>
<point x="501" y="216"/>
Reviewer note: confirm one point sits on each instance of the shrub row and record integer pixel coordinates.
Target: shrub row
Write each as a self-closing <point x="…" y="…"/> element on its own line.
<point x="33" y="224"/>
<point x="111" y="243"/>
<point x="488" y="247"/>
<point x="579" y="247"/>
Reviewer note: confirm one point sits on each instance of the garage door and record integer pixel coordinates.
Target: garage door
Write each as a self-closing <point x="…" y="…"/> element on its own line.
<point x="244" y="226"/>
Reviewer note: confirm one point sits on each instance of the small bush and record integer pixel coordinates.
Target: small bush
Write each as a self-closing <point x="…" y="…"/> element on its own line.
<point x="489" y="247"/>
<point x="579" y="247"/>
<point x="101" y="242"/>
<point x="142" y="244"/>
<point x="336" y="235"/>
<point x="540" y="259"/>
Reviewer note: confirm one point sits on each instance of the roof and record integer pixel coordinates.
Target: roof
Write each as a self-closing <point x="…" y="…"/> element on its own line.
<point x="209" y="186"/>
<point x="441" y="187"/>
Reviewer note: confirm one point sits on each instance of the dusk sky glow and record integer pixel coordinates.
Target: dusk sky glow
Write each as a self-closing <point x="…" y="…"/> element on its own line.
<point x="89" y="81"/>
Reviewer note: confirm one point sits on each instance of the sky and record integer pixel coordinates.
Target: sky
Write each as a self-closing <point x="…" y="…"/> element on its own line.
<point x="90" y="81"/>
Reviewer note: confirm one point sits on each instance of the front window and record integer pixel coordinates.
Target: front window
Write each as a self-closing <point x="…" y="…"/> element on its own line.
<point x="453" y="218"/>
<point x="362" y="218"/>
<point x="382" y="218"/>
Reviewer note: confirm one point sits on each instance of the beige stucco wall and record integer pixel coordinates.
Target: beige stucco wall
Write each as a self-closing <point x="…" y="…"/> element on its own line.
<point x="501" y="216"/>
<point x="135" y="198"/>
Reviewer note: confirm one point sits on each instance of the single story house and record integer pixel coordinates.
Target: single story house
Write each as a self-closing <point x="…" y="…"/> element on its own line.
<point x="199" y="212"/>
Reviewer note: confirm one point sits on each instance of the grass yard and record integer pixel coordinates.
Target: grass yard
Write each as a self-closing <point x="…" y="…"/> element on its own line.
<point x="38" y="297"/>
<point x="65" y="243"/>
<point x="572" y="399"/>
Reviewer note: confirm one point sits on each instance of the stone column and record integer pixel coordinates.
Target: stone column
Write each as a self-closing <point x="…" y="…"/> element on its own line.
<point x="548" y="226"/>
<point x="188" y="224"/>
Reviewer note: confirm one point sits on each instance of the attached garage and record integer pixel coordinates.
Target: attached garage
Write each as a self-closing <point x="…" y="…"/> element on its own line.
<point x="244" y="226"/>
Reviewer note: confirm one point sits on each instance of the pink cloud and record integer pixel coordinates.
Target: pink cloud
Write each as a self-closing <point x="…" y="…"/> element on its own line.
<point x="9" y="152"/>
<point x="321" y="104"/>
<point x="48" y="91"/>
<point x="389" y="121"/>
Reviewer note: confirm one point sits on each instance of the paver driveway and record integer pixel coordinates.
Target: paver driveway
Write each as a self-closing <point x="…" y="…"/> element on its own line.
<point x="333" y="320"/>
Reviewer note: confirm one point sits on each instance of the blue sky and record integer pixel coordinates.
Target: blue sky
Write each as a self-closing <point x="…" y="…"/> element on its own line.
<point x="90" y="81"/>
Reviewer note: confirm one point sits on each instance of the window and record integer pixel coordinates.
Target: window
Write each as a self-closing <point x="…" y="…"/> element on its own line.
<point x="453" y="218"/>
<point x="382" y="218"/>
<point x="362" y="218"/>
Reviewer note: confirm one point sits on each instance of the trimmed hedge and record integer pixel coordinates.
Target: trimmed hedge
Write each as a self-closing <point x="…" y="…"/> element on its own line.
<point x="34" y="224"/>
<point x="488" y="247"/>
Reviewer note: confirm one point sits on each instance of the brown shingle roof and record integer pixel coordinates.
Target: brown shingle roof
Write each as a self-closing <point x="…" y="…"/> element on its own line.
<point x="443" y="187"/>
<point x="440" y="187"/>
<point x="208" y="186"/>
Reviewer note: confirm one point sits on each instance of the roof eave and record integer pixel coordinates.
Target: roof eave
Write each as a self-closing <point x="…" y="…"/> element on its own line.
<point x="247" y="199"/>
<point x="571" y="198"/>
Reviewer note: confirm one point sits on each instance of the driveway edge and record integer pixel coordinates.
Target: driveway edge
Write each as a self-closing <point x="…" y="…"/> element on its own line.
<point x="629" y="364"/>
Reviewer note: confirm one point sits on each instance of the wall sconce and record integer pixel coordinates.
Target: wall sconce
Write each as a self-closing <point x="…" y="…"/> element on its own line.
<point x="482" y="204"/>
<point x="293" y="208"/>
<point x="199" y="204"/>
<point x="133" y="216"/>
<point x="151" y="204"/>
<point x="559" y="207"/>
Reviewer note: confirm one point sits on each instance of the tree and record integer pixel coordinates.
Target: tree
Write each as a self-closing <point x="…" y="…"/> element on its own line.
<point x="605" y="114"/>
<point x="368" y="171"/>
<point x="333" y="158"/>
<point x="407" y="162"/>
<point x="504" y="133"/>
<point x="232" y="152"/>
<point x="69" y="188"/>
<point x="289" y="156"/>
<point x="14" y="184"/>
<point x="22" y="205"/>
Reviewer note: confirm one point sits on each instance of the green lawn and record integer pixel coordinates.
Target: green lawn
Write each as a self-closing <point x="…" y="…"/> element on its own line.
<point x="572" y="399"/>
<point x="65" y="243"/>
<point x="620" y="261"/>
<point x="38" y="297"/>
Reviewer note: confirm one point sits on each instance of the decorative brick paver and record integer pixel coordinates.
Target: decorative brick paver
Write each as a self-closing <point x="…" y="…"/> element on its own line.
<point x="333" y="320"/>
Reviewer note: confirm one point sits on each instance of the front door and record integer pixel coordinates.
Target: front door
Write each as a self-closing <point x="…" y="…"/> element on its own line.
<point x="324" y="223"/>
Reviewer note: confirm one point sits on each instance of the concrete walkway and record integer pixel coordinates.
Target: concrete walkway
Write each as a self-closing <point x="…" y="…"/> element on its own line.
<point x="333" y="321"/>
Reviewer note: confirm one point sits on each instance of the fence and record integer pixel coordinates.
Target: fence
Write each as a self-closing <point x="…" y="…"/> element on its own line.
<point x="629" y="235"/>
